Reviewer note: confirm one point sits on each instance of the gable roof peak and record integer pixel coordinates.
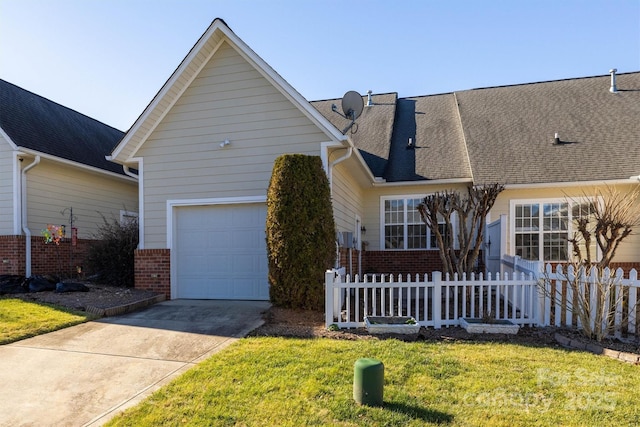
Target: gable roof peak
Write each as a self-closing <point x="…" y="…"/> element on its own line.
<point x="189" y="68"/>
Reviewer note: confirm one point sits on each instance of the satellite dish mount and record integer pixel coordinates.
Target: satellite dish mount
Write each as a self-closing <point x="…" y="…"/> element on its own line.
<point x="352" y="106"/>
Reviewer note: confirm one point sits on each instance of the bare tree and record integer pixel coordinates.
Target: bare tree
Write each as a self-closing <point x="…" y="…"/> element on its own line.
<point x="609" y="218"/>
<point x="438" y="211"/>
<point x="612" y="217"/>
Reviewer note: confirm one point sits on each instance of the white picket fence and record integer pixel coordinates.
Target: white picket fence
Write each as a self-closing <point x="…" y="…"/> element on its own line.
<point x="525" y="295"/>
<point x="619" y="296"/>
<point x="436" y="303"/>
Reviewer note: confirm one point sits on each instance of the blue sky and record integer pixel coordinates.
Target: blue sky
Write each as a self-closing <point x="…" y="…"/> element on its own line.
<point x="108" y="58"/>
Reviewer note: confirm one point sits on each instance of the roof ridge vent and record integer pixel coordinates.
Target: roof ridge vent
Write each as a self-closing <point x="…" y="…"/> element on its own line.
<point x="613" y="88"/>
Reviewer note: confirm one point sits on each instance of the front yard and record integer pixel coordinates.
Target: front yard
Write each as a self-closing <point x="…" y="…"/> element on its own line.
<point x="292" y="382"/>
<point x="266" y="381"/>
<point x="20" y="319"/>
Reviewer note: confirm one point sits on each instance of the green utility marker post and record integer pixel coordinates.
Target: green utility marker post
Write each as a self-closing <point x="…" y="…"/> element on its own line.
<point x="368" y="382"/>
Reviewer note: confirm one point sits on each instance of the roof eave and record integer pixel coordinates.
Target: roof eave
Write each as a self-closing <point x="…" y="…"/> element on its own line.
<point x="445" y="181"/>
<point x="77" y="165"/>
<point x="623" y="181"/>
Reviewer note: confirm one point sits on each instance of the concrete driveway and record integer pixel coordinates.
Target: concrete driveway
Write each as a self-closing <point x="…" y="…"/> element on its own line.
<point x="86" y="374"/>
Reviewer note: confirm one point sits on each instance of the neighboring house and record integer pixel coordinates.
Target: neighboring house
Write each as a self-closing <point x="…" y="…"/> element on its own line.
<point x="53" y="170"/>
<point x="205" y="146"/>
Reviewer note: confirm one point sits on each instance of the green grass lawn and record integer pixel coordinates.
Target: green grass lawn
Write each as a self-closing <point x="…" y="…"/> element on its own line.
<point x="21" y="319"/>
<point x="301" y="382"/>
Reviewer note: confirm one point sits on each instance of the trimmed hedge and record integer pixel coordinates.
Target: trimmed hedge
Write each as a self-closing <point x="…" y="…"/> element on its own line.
<point x="300" y="231"/>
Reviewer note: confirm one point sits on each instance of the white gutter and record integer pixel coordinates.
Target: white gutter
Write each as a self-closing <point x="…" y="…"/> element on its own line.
<point x="25" y="227"/>
<point x="72" y="163"/>
<point x="447" y="181"/>
<point x="631" y="180"/>
<point x="128" y="172"/>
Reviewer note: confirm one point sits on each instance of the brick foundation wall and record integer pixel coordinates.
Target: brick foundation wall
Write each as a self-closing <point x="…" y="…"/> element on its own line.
<point x="401" y="262"/>
<point x="12" y="255"/>
<point x="153" y="270"/>
<point x="344" y="260"/>
<point x="626" y="266"/>
<point x="60" y="260"/>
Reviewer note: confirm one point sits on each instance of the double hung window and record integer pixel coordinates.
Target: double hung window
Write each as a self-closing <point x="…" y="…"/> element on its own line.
<point x="542" y="229"/>
<point x="402" y="226"/>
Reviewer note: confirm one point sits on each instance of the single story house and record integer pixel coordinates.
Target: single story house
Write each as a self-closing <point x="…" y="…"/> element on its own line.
<point x="53" y="171"/>
<point x="205" y="145"/>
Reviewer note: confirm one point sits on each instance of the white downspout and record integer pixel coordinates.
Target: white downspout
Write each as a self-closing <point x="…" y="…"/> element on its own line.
<point x="25" y="227"/>
<point x="138" y="177"/>
<point x="330" y="173"/>
<point x="335" y="162"/>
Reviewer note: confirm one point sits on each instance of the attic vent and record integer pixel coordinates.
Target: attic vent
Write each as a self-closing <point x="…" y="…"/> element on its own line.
<point x="613" y="88"/>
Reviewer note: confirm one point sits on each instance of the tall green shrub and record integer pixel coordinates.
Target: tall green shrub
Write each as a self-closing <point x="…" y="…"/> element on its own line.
<point x="300" y="231"/>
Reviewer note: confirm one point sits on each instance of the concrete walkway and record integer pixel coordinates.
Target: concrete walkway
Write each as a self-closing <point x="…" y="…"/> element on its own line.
<point x="86" y="374"/>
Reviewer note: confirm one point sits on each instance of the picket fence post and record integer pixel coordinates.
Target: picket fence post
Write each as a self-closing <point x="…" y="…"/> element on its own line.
<point x="329" y="277"/>
<point x="437" y="299"/>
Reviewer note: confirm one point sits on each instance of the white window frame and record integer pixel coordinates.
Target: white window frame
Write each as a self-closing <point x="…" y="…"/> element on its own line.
<point x="541" y="232"/>
<point x="405" y="198"/>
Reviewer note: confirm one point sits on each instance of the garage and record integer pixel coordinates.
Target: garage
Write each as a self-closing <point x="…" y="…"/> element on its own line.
<point x="220" y="252"/>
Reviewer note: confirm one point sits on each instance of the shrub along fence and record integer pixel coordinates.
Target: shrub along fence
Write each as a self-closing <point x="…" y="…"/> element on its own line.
<point x="525" y="296"/>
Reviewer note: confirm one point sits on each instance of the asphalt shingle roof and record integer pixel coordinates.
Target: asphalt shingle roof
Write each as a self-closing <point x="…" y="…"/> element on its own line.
<point x="510" y="130"/>
<point x="505" y="134"/>
<point x="36" y="123"/>
<point x="433" y="126"/>
<point x="373" y="129"/>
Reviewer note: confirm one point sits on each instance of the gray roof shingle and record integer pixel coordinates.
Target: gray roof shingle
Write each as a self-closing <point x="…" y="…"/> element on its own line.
<point x="433" y="126"/>
<point x="510" y="130"/>
<point x="505" y="134"/>
<point x="36" y="123"/>
<point x="374" y="128"/>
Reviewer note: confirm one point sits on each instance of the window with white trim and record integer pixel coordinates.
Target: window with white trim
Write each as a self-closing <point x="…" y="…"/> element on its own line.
<point x="402" y="227"/>
<point x="542" y="229"/>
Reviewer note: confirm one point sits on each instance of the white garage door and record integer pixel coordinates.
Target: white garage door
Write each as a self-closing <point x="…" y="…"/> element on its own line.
<point x="221" y="252"/>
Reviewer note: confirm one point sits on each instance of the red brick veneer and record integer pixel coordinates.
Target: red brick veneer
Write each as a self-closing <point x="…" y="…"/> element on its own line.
<point x="401" y="262"/>
<point x="62" y="259"/>
<point x="12" y="255"/>
<point x="153" y="270"/>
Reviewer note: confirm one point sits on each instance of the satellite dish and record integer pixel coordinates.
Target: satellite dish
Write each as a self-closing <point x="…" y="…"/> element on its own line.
<point x="352" y="105"/>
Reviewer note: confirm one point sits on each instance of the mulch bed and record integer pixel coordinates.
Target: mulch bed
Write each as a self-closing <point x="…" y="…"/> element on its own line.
<point x="98" y="297"/>
<point x="310" y="324"/>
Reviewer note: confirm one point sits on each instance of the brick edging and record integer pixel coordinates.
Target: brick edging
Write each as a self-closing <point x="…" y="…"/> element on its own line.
<point x="127" y="308"/>
<point x="597" y="349"/>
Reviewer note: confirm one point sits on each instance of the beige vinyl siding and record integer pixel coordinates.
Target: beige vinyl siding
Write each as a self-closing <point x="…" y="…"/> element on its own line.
<point x="347" y="198"/>
<point x="6" y="188"/>
<point x="372" y="219"/>
<point x="52" y="187"/>
<point x="629" y="251"/>
<point x="229" y="99"/>
<point x="164" y="103"/>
